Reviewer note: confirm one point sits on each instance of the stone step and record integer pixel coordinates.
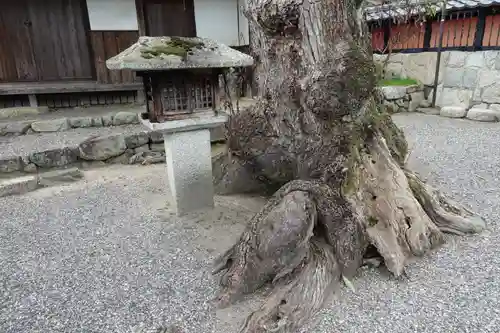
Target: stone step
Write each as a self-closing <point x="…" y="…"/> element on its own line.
<point x="27" y="120"/>
<point x="25" y="184"/>
<point x="22" y="121"/>
<point x="83" y="147"/>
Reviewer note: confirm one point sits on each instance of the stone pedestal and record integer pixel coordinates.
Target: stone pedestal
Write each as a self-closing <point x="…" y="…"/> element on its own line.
<point x="189" y="160"/>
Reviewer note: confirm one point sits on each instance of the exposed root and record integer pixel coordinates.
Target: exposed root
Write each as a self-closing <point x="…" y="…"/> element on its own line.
<point x="396" y="223"/>
<point x="298" y="297"/>
<point x="309" y="235"/>
<point x="302" y="241"/>
<point x="449" y="216"/>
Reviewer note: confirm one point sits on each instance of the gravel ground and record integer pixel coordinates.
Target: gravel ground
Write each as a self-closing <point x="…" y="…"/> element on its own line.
<point x="105" y="254"/>
<point x="26" y="144"/>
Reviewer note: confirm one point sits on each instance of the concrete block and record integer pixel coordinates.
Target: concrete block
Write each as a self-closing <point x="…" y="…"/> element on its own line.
<point x="189" y="168"/>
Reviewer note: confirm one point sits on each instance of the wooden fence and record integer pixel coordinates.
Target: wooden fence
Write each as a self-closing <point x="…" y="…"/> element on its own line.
<point x="471" y="30"/>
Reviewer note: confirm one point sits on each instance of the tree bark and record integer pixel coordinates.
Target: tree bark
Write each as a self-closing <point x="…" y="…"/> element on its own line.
<point x="320" y="138"/>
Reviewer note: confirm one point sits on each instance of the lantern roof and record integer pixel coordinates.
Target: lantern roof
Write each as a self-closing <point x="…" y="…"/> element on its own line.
<point x="168" y="53"/>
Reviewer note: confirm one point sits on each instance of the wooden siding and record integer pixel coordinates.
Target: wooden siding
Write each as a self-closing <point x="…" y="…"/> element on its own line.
<point x="17" y="60"/>
<point x="43" y="41"/>
<point x="106" y="44"/>
<point x="492" y="31"/>
<point x="168" y="17"/>
<point x="378" y="42"/>
<point x="456" y="33"/>
<point x="408" y="36"/>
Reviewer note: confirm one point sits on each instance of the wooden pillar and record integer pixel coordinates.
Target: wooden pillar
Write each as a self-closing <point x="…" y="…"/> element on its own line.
<point x="481" y="22"/>
<point x="141" y="18"/>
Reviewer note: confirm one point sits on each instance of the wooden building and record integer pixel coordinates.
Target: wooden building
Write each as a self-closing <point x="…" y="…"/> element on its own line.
<point x="470" y="25"/>
<point x="53" y="52"/>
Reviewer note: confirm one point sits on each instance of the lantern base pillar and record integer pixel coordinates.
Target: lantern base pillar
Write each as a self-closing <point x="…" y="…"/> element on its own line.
<point x="189" y="161"/>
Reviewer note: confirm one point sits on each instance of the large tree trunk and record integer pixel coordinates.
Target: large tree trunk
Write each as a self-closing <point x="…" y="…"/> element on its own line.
<point x="319" y="136"/>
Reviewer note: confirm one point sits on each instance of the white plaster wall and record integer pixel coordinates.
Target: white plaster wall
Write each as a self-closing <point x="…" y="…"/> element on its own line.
<point x="218" y="20"/>
<point x="112" y="15"/>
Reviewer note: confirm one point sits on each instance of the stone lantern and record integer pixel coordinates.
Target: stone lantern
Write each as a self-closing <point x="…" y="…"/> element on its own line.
<point x="184" y="101"/>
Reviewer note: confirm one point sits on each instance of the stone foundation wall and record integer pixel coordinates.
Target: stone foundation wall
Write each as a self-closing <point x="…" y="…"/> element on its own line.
<point x="403" y="99"/>
<point x="466" y="79"/>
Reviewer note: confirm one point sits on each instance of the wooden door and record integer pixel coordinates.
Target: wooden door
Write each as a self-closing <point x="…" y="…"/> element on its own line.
<point x="169" y="18"/>
<point x="60" y="43"/>
<point x="17" y="61"/>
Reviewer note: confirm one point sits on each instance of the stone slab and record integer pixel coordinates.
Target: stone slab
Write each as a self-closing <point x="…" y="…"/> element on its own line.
<point x="56" y="177"/>
<point x="39" y="152"/>
<point x="52" y="158"/>
<point x="431" y="111"/>
<point x="16" y="112"/>
<point x="102" y="148"/>
<point x="484" y="115"/>
<point x="125" y="118"/>
<point x="15" y="128"/>
<point x="189" y="169"/>
<point x="54" y="125"/>
<point x="393" y="93"/>
<point x="202" y="121"/>
<point x="453" y="112"/>
<point x="10" y="164"/>
<point x="206" y="54"/>
<point x="18" y="185"/>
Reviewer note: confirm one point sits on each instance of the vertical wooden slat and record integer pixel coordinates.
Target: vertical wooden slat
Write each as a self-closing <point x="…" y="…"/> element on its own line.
<point x="457" y="32"/>
<point x="495" y="30"/>
<point x="111" y="49"/>
<point x="472" y="31"/>
<point x="124" y="40"/>
<point x="8" y="70"/>
<point x="45" y="31"/>
<point x="59" y="39"/>
<point x="18" y="43"/>
<point x="434" y="35"/>
<point x="487" y="30"/>
<point x="97" y="40"/>
<point x="421" y="36"/>
<point x="107" y="44"/>
<point x="464" y="38"/>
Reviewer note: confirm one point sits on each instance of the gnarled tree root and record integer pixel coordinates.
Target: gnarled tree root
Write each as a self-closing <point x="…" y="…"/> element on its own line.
<point x="449" y="216"/>
<point x="309" y="235"/>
